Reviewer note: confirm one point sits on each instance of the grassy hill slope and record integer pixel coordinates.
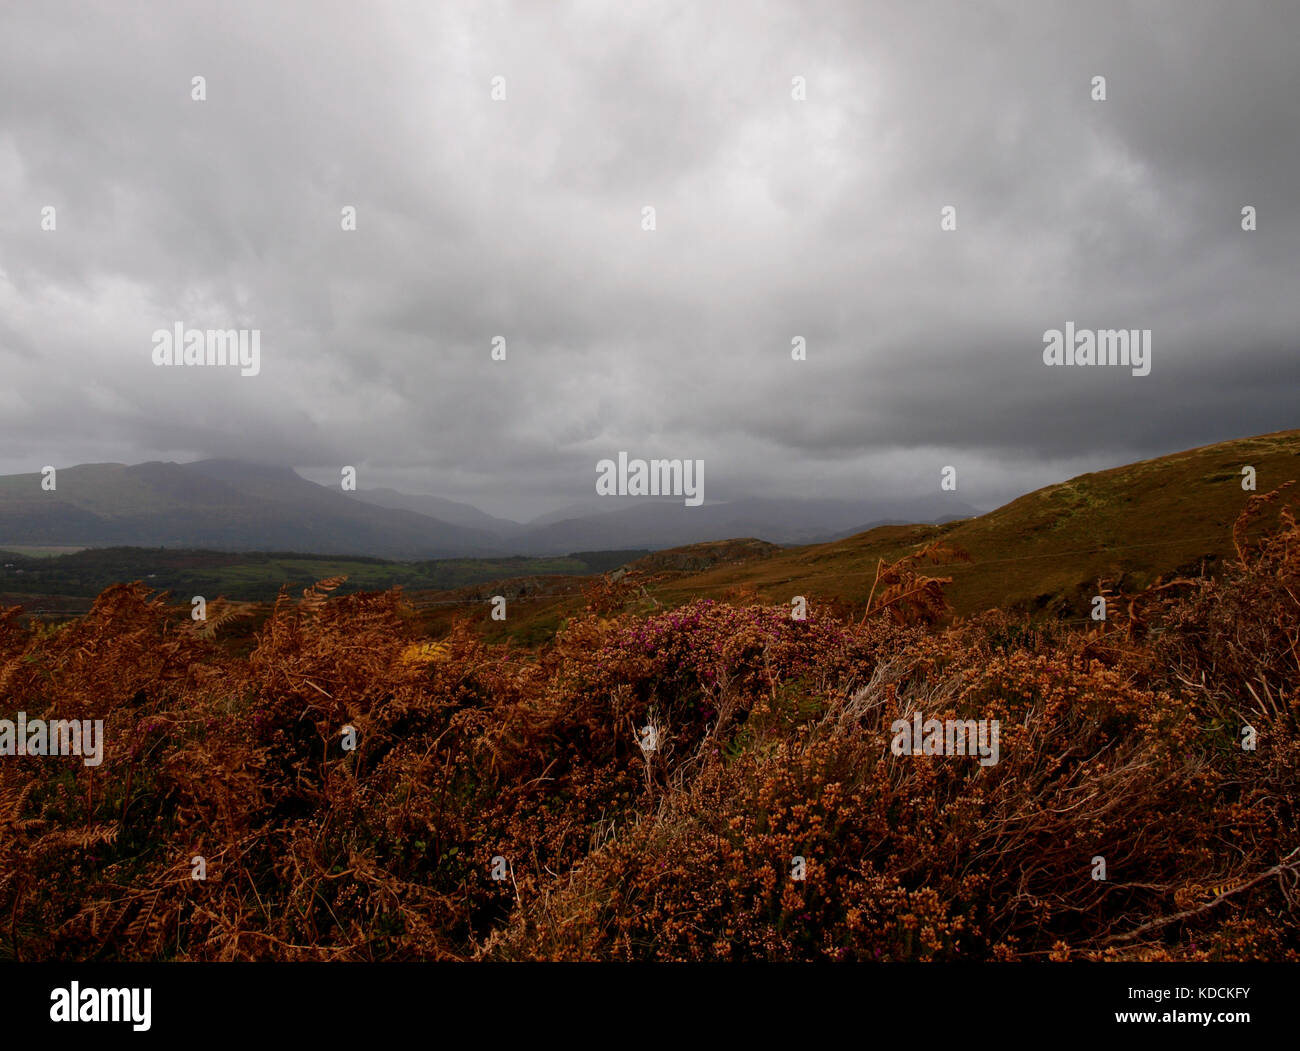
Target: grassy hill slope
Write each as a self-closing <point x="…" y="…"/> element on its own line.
<point x="1043" y="552"/>
<point x="1047" y="550"/>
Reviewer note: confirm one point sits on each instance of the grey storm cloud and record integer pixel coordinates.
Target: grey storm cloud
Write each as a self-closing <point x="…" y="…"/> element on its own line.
<point x="775" y="218"/>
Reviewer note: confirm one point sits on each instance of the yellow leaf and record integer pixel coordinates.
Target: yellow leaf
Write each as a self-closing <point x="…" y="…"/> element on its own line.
<point x="426" y="653"/>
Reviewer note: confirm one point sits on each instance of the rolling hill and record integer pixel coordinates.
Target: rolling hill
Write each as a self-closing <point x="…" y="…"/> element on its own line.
<point x="1046" y="550"/>
<point x="1043" y="553"/>
<point x="229" y="505"/>
<point x="219" y="504"/>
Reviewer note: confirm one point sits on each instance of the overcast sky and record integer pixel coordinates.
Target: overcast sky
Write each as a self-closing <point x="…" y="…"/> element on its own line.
<point x="775" y="218"/>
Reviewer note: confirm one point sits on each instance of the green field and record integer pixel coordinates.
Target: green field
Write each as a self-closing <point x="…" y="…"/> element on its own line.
<point x="258" y="577"/>
<point x="36" y="551"/>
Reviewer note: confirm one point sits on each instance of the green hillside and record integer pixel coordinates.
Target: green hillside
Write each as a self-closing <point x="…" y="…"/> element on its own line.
<point x="1046" y="550"/>
<point x="1042" y="553"/>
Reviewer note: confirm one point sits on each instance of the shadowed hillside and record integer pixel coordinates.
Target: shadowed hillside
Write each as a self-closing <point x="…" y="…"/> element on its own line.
<point x="1047" y="550"/>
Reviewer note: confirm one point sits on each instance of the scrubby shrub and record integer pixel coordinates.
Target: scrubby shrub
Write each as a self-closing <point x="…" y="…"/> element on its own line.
<point x="771" y="747"/>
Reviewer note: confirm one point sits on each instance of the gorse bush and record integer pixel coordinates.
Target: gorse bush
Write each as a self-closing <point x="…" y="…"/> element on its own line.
<point x="771" y="761"/>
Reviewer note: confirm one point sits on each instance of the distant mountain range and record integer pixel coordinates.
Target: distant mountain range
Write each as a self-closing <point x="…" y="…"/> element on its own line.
<point x="230" y="505"/>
